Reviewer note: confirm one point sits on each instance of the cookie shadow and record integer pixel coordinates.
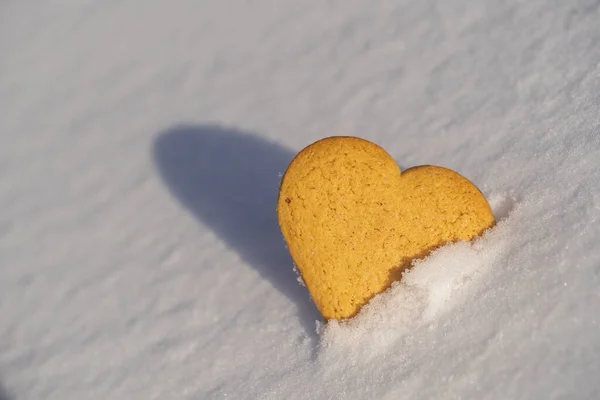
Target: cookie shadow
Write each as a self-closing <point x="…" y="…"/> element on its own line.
<point x="4" y="394"/>
<point x="229" y="180"/>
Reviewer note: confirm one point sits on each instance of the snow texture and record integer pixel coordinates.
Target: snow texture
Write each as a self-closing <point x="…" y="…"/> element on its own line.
<point x="141" y="148"/>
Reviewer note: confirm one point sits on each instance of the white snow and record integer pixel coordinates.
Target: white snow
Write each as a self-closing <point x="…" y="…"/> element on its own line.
<point x="141" y="147"/>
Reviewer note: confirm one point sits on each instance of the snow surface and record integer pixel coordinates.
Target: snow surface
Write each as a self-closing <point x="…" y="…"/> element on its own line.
<point x="141" y="144"/>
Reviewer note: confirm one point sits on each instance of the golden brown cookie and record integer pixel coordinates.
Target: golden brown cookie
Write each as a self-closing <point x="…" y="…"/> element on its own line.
<point x="353" y="222"/>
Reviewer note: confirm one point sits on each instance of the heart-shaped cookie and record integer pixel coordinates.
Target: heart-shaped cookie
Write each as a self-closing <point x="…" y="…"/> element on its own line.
<point x="353" y="222"/>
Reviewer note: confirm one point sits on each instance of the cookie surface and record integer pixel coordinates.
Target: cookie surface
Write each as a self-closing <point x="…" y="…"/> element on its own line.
<point x="353" y="222"/>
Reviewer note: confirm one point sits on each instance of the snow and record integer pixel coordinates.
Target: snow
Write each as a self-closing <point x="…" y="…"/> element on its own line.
<point x="141" y="148"/>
